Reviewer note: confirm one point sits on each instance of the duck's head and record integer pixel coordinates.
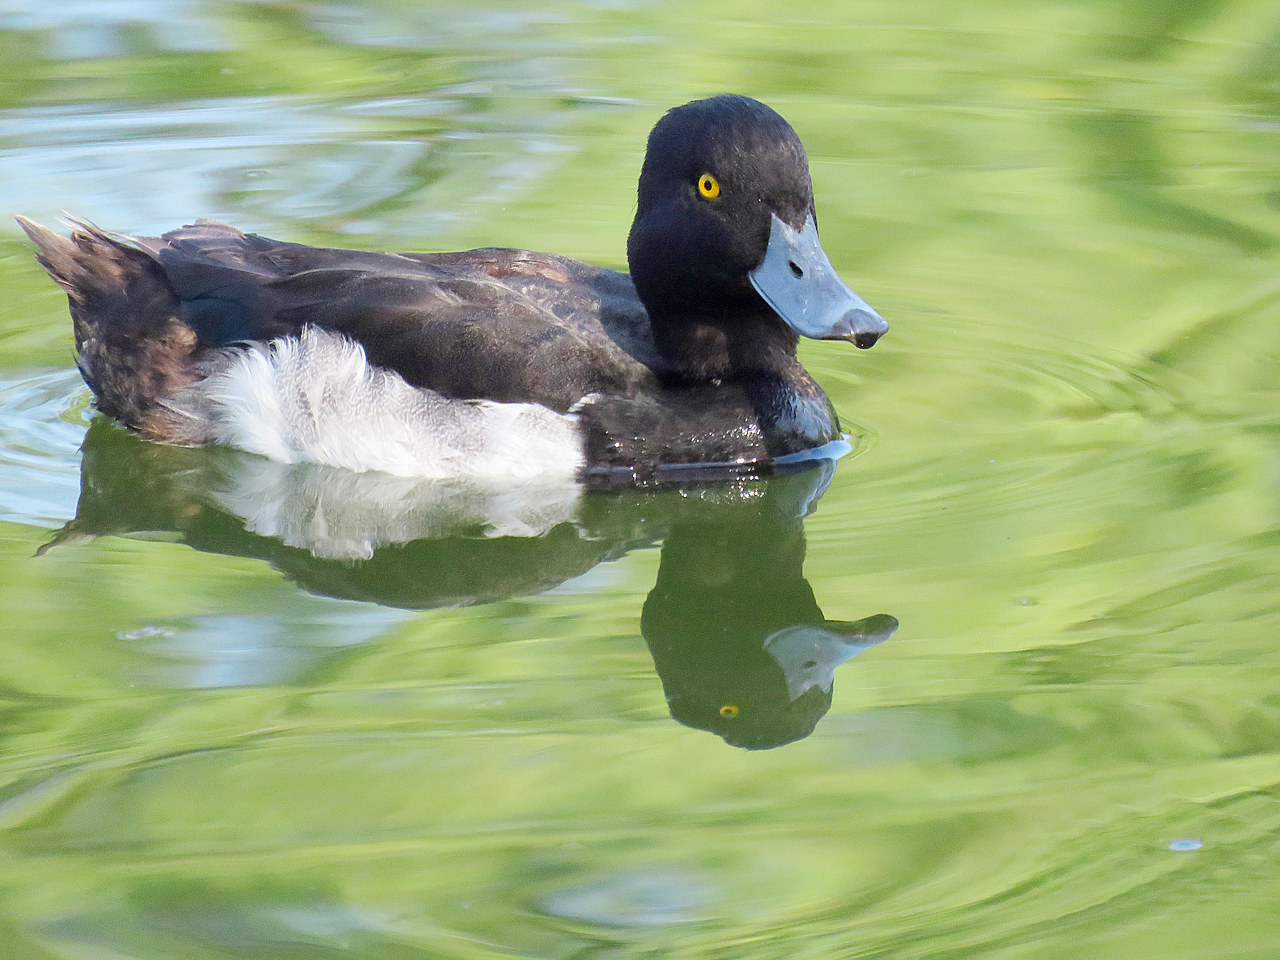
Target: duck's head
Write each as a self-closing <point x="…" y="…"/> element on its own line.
<point x="725" y="229"/>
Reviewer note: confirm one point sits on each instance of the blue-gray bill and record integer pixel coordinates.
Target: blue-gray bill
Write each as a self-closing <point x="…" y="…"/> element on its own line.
<point x="802" y="286"/>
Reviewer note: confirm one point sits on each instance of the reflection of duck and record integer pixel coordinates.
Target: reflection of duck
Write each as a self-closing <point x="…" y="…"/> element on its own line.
<point x="362" y="536"/>
<point x="735" y="632"/>
<point x="359" y="360"/>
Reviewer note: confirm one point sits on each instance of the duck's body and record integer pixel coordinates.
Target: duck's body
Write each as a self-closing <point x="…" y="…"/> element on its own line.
<point x="493" y="360"/>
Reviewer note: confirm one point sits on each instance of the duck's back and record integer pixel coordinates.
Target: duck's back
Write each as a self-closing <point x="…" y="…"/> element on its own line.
<point x="496" y="324"/>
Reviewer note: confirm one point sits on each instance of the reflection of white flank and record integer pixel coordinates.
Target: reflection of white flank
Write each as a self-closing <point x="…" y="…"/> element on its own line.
<point x="315" y="399"/>
<point x="809" y="653"/>
<point x="344" y="515"/>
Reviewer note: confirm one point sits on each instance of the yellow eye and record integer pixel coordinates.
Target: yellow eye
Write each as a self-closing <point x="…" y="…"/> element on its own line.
<point x="728" y="710"/>
<point x="709" y="187"/>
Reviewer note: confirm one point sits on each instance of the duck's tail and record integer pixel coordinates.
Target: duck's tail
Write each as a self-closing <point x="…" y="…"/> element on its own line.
<point x="132" y="348"/>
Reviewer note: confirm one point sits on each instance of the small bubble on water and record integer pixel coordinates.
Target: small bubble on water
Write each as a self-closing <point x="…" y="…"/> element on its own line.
<point x="1184" y="844"/>
<point x="143" y="633"/>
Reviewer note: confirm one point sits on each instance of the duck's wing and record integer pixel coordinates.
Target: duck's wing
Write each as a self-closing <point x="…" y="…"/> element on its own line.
<point x="494" y="324"/>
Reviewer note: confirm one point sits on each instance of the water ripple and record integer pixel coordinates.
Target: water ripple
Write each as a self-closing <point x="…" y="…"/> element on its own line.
<point x="42" y="423"/>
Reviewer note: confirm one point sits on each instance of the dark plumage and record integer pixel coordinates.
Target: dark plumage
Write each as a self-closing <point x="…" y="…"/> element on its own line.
<point x="682" y="362"/>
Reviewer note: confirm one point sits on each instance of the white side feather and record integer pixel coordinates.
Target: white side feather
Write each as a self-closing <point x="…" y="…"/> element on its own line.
<point x="315" y="398"/>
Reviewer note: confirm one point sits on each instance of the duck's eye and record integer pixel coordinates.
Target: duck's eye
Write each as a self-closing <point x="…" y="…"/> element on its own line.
<point x="708" y="186"/>
<point x="728" y="710"/>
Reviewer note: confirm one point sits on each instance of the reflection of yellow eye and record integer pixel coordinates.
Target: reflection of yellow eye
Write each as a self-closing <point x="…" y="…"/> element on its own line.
<point x="708" y="186"/>
<point x="728" y="710"/>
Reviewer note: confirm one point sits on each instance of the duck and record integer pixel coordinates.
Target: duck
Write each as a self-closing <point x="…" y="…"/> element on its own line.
<point x="493" y="362"/>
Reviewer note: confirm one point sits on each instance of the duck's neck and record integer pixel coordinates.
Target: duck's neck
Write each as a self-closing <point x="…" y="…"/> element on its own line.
<point x="702" y="350"/>
<point x="756" y="357"/>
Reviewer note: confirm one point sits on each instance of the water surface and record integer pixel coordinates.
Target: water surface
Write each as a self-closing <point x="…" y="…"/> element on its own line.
<point x="253" y="712"/>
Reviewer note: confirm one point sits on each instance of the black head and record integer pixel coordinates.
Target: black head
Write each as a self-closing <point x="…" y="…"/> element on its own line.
<point x="724" y="249"/>
<point x="695" y="240"/>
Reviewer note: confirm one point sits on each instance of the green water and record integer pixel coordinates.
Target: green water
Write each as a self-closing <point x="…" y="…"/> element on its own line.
<point x="251" y="713"/>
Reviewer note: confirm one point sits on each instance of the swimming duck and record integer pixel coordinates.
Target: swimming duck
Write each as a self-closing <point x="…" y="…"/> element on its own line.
<point x="492" y="362"/>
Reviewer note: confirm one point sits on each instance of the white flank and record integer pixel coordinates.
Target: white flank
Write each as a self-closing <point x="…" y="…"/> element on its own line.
<point x="315" y="399"/>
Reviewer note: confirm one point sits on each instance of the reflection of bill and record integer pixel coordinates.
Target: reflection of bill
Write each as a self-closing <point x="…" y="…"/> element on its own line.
<point x="808" y="653"/>
<point x="736" y="635"/>
<point x="760" y="701"/>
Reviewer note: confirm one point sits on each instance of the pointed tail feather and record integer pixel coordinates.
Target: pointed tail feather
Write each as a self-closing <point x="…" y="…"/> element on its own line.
<point x="132" y="349"/>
